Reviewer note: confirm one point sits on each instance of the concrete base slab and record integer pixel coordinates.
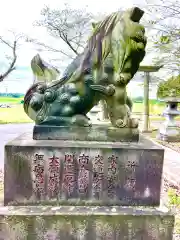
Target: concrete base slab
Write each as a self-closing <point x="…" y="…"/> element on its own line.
<point x="87" y="223"/>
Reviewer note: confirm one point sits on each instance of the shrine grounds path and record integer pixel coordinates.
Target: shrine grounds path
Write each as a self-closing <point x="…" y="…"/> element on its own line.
<point x="8" y="132"/>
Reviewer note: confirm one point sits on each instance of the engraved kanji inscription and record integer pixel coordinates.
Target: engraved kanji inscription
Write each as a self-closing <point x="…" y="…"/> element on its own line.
<point x="83" y="175"/>
<point x="69" y="173"/>
<point x="39" y="175"/>
<point x="112" y="175"/>
<point x="53" y="176"/>
<point x="130" y="181"/>
<point x="98" y="173"/>
<point x="131" y="165"/>
<point x="112" y="165"/>
<point x="83" y="160"/>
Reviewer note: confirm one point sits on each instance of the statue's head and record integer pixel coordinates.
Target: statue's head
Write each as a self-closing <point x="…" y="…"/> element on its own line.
<point x="132" y="29"/>
<point x="133" y="42"/>
<point x="128" y="26"/>
<point x="122" y="29"/>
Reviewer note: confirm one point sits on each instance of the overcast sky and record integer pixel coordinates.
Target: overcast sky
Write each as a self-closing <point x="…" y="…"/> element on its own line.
<point x="19" y="16"/>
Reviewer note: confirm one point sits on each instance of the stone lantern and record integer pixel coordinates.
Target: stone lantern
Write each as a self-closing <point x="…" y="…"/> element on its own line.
<point x="169" y="130"/>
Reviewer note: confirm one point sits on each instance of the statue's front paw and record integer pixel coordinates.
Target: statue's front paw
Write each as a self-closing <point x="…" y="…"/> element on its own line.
<point x="122" y="79"/>
<point x="120" y="123"/>
<point x="133" y="123"/>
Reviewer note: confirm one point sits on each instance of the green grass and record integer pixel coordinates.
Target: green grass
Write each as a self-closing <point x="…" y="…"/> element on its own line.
<point x="10" y="100"/>
<point x="13" y="115"/>
<point x="174" y="201"/>
<point x="154" y="109"/>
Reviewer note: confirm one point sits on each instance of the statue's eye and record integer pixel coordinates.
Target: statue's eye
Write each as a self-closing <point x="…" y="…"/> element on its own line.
<point x="41" y="89"/>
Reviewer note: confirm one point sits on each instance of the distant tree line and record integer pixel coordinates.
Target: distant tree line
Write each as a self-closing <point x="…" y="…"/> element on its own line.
<point x="170" y="87"/>
<point x="13" y="95"/>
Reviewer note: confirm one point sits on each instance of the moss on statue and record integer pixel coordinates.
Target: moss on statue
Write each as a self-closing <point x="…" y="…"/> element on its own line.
<point x="169" y="86"/>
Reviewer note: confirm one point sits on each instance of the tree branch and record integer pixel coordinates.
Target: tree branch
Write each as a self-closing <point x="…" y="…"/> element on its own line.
<point x="12" y="65"/>
<point x="48" y="48"/>
<point x="69" y="44"/>
<point x="63" y="36"/>
<point x="68" y="24"/>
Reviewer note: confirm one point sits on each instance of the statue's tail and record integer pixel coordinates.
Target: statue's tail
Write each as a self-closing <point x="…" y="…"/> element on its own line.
<point x="42" y="70"/>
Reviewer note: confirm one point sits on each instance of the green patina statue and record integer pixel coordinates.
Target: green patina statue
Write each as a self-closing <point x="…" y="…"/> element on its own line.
<point x="111" y="58"/>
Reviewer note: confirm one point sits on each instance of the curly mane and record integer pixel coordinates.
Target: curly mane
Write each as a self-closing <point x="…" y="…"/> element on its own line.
<point x="102" y="30"/>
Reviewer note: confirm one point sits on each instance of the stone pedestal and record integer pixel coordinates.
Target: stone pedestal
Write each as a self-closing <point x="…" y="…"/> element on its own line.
<point x="90" y="190"/>
<point x="79" y="172"/>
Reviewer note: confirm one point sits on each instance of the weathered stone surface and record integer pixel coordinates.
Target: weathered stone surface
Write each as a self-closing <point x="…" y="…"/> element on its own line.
<point x="88" y="223"/>
<point x="82" y="173"/>
<point x="94" y="133"/>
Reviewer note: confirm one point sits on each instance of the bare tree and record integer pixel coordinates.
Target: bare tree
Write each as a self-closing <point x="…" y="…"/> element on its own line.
<point x="164" y="22"/>
<point x="67" y="25"/>
<point x="13" y="58"/>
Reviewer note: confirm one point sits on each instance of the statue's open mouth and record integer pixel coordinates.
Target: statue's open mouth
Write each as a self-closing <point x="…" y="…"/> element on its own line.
<point x="140" y="38"/>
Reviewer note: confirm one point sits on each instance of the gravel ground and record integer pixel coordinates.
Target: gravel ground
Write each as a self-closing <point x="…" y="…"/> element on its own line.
<point x="173" y="145"/>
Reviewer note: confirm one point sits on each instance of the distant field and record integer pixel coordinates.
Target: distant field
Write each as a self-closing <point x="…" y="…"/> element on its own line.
<point x="10" y="100"/>
<point x="137" y="107"/>
<point x="16" y="114"/>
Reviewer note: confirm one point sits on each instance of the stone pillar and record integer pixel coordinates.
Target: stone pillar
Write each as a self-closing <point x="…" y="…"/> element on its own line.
<point x="146" y="103"/>
<point x="104" y="110"/>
